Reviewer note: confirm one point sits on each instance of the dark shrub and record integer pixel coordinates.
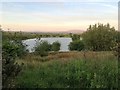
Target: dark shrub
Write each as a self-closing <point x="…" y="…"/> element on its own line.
<point x="56" y="46"/>
<point x="76" y="45"/>
<point x="42" y="48"/>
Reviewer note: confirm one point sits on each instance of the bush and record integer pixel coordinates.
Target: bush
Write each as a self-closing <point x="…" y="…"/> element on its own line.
<point x="76" y="45"/>
<point x="100" y="37"/>
<point x="10" y="69"/>
<point x="21" y="49"/>
<point x="42" y="48"/>
<point x="55" y="46"/>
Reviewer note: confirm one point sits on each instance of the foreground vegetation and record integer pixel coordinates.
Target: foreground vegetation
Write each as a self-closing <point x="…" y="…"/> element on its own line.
<point x="69" y="70"/>
<point x="94" y="66"/>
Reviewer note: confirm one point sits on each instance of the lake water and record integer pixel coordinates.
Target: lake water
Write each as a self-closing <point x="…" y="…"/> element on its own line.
<point x="31" y="43"/>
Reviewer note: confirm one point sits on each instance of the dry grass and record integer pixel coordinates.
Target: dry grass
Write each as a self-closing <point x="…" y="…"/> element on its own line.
<point x="32" y="59"/>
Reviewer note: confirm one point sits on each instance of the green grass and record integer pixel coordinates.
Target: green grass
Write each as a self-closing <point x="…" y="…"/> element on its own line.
<point x="69" y="70"/>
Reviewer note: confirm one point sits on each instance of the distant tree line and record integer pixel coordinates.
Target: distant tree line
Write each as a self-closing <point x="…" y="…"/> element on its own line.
<point x="28" y="35"/>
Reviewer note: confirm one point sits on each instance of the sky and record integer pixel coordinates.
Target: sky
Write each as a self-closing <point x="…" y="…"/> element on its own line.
<point x="53" y="16"/>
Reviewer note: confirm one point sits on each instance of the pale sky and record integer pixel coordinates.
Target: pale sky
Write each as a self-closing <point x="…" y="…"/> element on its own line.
<point x="54" y="16"/>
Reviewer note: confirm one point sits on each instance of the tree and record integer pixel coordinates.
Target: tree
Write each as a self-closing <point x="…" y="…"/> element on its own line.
<point x="56" y="46"/>
<point x="76" y="45"/>
<point x="42" y="48"/>
<point x="99" y="37"/>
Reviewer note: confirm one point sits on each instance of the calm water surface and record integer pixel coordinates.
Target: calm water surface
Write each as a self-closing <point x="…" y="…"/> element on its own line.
<point x="31" y="43"/>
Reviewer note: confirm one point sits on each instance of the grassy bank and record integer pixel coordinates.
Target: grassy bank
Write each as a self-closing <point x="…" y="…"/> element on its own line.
<point x="69" y="70"/>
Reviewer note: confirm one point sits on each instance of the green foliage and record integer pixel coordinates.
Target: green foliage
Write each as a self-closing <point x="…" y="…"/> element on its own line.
<point x="75" y="37"/>
<point x="10" y="50"/>
<point x="55" y="46"/>
<point x="75" y="73"/>
<point x="15" y="48"/>
<point x="43" y="48"/>
<point x="76" y="45"/>
<point x="21" y="48"/>
<point x="100" y="37"/>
